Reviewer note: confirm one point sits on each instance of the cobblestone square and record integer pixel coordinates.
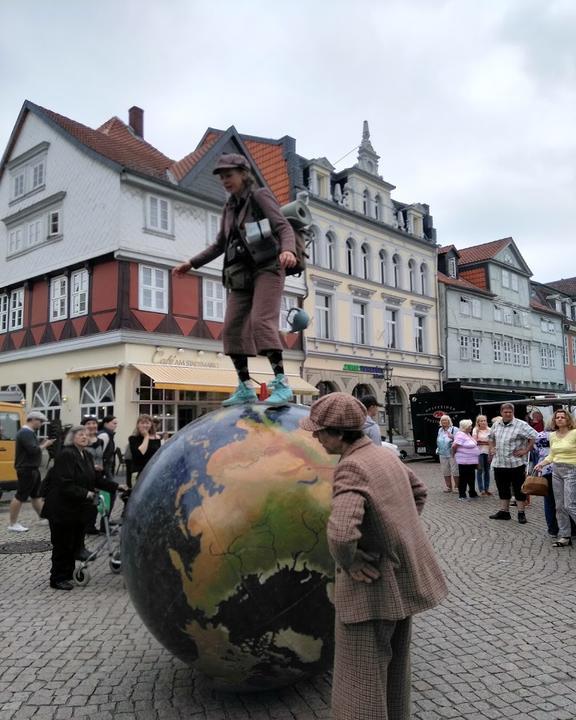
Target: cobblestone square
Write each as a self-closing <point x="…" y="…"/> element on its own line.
<point x="501" y="646"/>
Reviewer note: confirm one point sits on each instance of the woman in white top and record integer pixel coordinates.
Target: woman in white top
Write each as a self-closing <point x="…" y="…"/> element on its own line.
<point x="480" y="434"/>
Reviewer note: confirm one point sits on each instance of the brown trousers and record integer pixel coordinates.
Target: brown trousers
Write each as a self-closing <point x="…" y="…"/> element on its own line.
<point x="253" y="316"/>
<point x="372" y="670"/>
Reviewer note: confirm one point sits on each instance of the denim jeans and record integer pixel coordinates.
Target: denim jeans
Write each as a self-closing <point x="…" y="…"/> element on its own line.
<point x="564" y="485"/>
<point x="483" y="472"/>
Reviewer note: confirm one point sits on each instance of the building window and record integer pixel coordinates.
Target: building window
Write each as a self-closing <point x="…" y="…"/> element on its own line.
<point x="508" y="316"/>
<point x="465" y="307"/>
<point x="16" y="320"/>
<point x="566" y="356"/>
<point x="507" y="352"/>
<point x="160" y="404"/>
<point x="543" y="356"/>
<point x="505" y="279"/>
<point x="514" y="282"/>
<point x="79" y="283"/>
<point x="452" y="267"/>
<point x="97" y="397"/>
<point x="551" y="327"/>
<point x="54" y="223"/>
<point x="213" y="300"/>
<point x="158" y="214"/>
<point x="396" y="271"/>
<point x="350" y="256"/>
<point x="366" y="202"/>
<point x="323" y="316"/>
<point x="313" y="247"/>
<point x="573" y="350"/>
<point x="288" y="302"/>
<point x="516" y="353"/>
<point x="497" y="313"/>
<point x="464" y="347"/>
<point x="365" y="258"/>
<point x="419" y="338"/>
<point x="552" y="357"/>
<point x="497" y="347"/>
<point x="412" y="275"/>
<point x="391" y="328"/>
<point x="4" y="306"/>
<point x="382" y="266"/>
<point x="475" y="342"/>
<point x="476" y="308"/>
<point x="423" y="279"/>
<point x="19" y="183"/>
<point x="15" y="240"/>
<point x="330" y="251"/>
<point x="212" y="228"/>
<point x="525" y="355"/>
<point x="59" y="298"/>
<point x="47" y="400"/>
<point x="37" y="174"/>
<point x="359" y="313"/>
<point x="153" y="289"/>
<point x="377" y="207"/>
<point x="35" y="233"/>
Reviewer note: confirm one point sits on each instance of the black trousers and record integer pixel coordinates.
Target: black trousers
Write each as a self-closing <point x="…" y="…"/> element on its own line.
<point x="67" y="541"/>
<point x="467" y="480"/>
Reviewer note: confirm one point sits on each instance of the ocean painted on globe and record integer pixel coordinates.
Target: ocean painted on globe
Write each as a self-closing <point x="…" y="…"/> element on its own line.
<point x="224" y="548"/>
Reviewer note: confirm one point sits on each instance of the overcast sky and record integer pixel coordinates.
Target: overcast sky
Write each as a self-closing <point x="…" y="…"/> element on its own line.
<point x="471" y="105"/>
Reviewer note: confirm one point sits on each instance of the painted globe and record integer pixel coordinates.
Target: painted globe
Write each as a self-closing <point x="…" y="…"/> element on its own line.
<point x="224" y="548"/>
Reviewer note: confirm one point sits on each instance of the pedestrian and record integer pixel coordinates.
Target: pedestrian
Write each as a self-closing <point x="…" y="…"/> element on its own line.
<point x="481" y="434"/>
<point x="70" y="494"/>
<point x="386" y="570"/>
<point x="252" y="314"/>
<point x="563" y="455"/>
<point x="511" y="441"/>
<point x="95" y="448"/>
<point x="143" y="444"/>
<point x="465" y="451"/>
<point x="448" y="464"/>
<point x="27" y="461"/>
<point x="371" y="427"/>
<point x="540" y="452"/>
<point x="108" y="428"/>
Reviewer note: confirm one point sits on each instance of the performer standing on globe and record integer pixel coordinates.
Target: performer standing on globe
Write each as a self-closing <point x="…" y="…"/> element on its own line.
<point x="386" y="570"/>
<point x="255" y="292"/>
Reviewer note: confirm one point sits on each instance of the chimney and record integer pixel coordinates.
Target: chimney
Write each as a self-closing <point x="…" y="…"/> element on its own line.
<point x="136" y="120"/>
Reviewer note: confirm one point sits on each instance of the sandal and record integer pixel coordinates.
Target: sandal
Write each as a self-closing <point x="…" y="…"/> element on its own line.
<point x="562" y="542"/>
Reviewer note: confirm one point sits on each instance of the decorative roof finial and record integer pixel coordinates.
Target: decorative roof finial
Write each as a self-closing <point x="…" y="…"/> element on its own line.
<point x="365" y="132"/>
<point x="367" y="157"/>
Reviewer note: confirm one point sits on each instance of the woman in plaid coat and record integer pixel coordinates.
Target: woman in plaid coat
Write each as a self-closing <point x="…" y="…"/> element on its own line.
<point x="386" y="569"/>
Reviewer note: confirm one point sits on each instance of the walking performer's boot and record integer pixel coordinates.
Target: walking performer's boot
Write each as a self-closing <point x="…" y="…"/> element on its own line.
<point x="243" y="395"/>
<point x="280" y="392"/>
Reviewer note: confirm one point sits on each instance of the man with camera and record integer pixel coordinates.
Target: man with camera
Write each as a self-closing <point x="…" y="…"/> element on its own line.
<point x="28" y="457"/>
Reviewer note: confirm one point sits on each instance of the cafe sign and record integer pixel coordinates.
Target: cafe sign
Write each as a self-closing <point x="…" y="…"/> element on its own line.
<point x="161" y="357"/>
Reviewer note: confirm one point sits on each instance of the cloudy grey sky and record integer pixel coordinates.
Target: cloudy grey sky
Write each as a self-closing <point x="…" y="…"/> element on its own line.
<point x="472" y="105"/>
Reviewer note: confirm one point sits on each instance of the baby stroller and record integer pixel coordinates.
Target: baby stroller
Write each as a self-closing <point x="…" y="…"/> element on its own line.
<point x="111" y="541"/>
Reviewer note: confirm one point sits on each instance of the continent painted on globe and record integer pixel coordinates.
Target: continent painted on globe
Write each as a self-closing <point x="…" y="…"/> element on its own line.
<point x="248" y="545"/>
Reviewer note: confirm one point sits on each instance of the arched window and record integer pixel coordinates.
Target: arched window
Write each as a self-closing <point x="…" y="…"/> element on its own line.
<point x="313" y="246"/>
<point x="396" y="271"/>
<point x="97" y="397"/>
<point x="361" y="390"/>
<point x="330" y="251"/>
<point x="366" y="202"/>
<point x="382" y="266"/>
<point x="326" y="387"/>
<point x="48" y="401"/>
<point x="350" y="265"/>
<point x="378" y="207"/>
<point x="423" y="279"/>
<point x="412" y="275"/>
<point x="365" y="259"/>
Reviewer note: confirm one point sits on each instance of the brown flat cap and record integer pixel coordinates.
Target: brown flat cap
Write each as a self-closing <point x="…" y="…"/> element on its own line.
<point x="335" y="410"/>
<point x="231" y="161"/>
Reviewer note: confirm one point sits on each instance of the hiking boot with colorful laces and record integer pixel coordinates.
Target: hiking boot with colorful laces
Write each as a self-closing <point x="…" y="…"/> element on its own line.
<point x="243" y="395"/>
<point x="280" y="392"/>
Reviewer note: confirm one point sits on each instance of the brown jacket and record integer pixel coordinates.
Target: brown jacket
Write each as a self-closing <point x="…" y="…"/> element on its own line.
<point x="376" y="504"/>
<point x="270" y="208"/>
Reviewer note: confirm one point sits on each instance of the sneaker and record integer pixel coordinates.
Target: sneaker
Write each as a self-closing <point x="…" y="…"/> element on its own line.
<point x="500" y="515"/>
<point x="243" y="395"/>
<point x="17" y="528"/>
<point x="281" y="392"/>
<point x="522" y="518"/>
<point x="513" y="502"/>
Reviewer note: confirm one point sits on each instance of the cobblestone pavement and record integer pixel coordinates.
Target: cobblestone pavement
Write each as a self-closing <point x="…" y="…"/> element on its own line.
<point x="502" y="645"/>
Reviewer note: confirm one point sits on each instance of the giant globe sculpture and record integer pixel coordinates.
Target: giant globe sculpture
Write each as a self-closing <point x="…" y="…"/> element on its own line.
<point x="224" y="548"/>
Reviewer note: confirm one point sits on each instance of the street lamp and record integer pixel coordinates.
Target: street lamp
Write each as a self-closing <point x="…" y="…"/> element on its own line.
<point x="388" y="370"/>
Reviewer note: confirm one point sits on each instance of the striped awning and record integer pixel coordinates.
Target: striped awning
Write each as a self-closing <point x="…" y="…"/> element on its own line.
<point x="178" y="377"/>
<point x="93" y="371"/>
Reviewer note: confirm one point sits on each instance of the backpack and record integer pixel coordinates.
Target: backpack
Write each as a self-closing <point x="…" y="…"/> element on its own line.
<point x="302" y="237"/>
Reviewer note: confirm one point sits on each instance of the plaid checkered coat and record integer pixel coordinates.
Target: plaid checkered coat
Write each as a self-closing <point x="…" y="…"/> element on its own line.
<point x="376" y="505"/>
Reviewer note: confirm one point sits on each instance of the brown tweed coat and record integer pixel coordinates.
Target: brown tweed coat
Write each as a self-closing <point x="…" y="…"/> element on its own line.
<point x="376" y="505"/>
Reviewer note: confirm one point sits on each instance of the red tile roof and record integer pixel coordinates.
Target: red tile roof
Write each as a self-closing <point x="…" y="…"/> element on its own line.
<point x="565" y="285"/>
<point x="544" y="308"/>
<point x="446" y="248"/>
<point x="268" y="156"/>
<point x="486" y="251"/>
<point x="117" y="142"/>
<point x="462" y="284"/>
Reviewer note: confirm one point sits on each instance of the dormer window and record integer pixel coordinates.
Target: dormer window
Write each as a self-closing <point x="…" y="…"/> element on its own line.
<point x="452" y="267"/>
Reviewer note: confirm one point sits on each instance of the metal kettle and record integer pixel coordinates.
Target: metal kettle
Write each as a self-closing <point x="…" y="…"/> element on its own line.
<point x="298" y="319"/>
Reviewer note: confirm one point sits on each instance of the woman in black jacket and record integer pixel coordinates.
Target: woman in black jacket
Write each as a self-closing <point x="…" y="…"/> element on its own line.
<point x="70" y="494"/>
<point x="143" y="443"/>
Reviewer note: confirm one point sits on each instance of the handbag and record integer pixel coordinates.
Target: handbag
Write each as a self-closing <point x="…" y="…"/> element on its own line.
<point x="535" y="485"/>
<point x="260" y="242"/>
